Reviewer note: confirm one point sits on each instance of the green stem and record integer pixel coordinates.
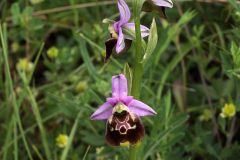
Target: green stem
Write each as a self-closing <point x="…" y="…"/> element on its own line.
<point x="15" y="140"/>
<point x="138" y="68"/>
<point x="134" y="151"/>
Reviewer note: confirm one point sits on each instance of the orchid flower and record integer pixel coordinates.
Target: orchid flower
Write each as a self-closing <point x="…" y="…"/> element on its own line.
<point x="158" y="5"/>
<point x="122" y="113"/>
<point x="119" y="38"/>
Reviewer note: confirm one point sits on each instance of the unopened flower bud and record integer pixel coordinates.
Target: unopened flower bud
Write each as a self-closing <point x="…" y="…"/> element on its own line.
<point x="81" y="86"/>
<point x="206" y="115"/>
<point x="52" y="52"/>
<point x="14" y="47"/>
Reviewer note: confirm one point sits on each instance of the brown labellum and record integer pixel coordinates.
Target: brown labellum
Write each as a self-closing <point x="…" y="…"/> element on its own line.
<point x="111" y="45"/>
<point x="124" y="127"/>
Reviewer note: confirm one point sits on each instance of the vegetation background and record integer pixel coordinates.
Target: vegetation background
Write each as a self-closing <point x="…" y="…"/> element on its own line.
<point x="52" y="78"/>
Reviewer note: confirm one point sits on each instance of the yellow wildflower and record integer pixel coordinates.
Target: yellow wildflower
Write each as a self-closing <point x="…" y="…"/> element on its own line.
<point x="24" y="65"/>
<point x="206" y="115"/>
<point x="228" y="111"/>
<point x="52" y="52"/>
<point x="62" y="140"/>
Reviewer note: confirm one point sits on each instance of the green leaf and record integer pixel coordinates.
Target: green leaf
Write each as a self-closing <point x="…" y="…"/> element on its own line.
<point x="152" y="41"/>
<point x="86" y="58"/>
<point x="235" y="51"/>
<point x="131" y="34"/>
<point x="226" y="63"/>
<point x="16" y="14"/>
<point x="26" y="16"/>
<point x="167" y="109"/>
<point x="128" y="73"/>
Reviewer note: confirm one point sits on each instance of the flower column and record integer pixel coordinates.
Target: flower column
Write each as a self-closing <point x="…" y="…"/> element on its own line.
<point x="121" y="111"/>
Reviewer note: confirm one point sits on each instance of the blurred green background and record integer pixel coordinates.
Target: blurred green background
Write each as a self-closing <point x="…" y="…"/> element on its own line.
<point x="52" y="78"/>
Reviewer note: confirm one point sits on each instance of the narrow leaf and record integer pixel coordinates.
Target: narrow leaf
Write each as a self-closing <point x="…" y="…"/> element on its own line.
<point x="128" y="73"/>
<point x="152" y="41"/>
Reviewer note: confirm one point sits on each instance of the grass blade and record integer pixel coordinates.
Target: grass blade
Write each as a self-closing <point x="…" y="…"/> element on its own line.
<point x="14" y="100"/>
<point x="70" y="140"/>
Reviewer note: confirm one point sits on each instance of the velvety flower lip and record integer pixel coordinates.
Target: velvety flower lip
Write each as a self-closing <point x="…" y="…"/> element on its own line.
<point x="120" y="40"/>
<point x="120" y="95"/>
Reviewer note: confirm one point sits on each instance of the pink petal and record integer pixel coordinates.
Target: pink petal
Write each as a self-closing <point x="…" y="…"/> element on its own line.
<point x="116" y="26"/>
<point x="144" y="29"/>
<point x="141" y="109"/>
<point x="120" y="42"/>
<point x="103" y="112"/>
<point x="163" y="3"/>
<point x="113" y="100"/>
<point x="126" y="100"/>
<point x="124" y="12"/>
<point x="119" y="86"/>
